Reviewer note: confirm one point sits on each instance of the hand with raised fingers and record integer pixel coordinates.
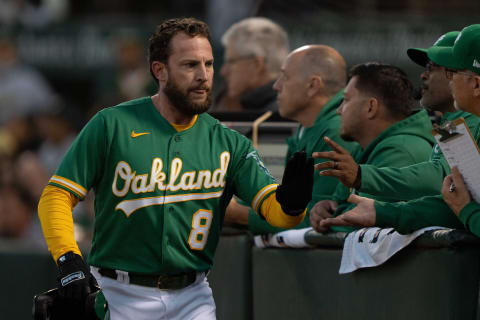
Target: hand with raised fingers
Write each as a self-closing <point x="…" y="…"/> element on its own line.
<point x="341" y="165"/>
<point x="295" y="192"/>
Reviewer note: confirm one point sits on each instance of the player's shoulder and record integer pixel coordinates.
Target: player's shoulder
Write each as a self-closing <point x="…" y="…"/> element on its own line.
<point x="219" y="127"/>
<point x="126" y="106"/>
<point x="221" y="131"/>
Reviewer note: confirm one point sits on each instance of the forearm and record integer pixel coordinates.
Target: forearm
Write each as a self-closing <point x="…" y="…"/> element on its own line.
<point x="407" y="217"/>
<point x="422" y="179"/>
<point x="55" y="214"/>
<point x="272" y="211"/>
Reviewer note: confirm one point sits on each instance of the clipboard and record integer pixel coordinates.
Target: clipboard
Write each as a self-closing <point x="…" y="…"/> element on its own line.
<point x="460" y="149"/>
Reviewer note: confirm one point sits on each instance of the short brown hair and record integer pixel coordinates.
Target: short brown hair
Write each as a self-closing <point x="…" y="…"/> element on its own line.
<point x="388" y="83"/>
<point x="159" y="42"/>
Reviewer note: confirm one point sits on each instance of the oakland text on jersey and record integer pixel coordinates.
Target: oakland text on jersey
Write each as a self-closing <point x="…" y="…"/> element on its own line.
<point x="126" y="180"/>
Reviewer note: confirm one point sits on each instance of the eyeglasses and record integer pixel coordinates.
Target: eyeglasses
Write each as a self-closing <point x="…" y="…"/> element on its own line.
<point x="430" y="66"/>
<point x="238" y="59"/>
<point x="449" y="73"/>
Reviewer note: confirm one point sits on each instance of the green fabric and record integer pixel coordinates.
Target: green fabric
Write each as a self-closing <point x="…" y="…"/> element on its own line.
<point x="419" y="55"/>
<point x="465" y="53"/>
<point x="160" y="197"/>
<point x="404" y="143"/>
<point x="470" y="217"/>
<point x="311" y="140"/>
<point x="101" y="306"/>
<point x="421" y="179"/>
<point x="407" y="217"/>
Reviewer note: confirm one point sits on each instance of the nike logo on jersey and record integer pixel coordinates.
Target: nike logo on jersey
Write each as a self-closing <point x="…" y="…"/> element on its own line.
<point x="135" y="134"/>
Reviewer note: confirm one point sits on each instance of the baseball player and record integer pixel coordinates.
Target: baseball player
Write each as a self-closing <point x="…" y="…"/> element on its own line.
<point x="163" y="173"/>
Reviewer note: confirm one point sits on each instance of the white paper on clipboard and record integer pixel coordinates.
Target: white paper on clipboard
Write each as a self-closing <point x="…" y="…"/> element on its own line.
<point x="462" y="151"/>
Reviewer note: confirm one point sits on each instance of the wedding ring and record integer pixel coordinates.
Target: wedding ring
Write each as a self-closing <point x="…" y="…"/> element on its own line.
<point x="335" y="165"/>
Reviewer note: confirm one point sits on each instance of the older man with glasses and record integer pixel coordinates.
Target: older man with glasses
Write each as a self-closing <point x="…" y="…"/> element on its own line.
<point x="255" y="49"/>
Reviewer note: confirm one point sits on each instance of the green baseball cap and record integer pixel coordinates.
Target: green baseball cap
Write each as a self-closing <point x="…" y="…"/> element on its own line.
<point x="465" y="53"/>
<point x="419" y="55"/>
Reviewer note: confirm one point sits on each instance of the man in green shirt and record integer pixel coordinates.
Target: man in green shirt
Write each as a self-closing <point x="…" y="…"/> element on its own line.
<point x="377" y="113"/>
<point x="421" y="179"/>
<point x="310" y="89"/>
<point x="461" y="62"/>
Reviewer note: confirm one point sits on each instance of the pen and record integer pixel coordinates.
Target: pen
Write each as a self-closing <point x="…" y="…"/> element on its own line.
<point x="452" y="187"/>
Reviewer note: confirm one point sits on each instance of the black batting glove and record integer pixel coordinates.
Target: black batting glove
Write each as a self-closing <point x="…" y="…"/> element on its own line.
<point x="75" y="281"/>
<point x="295" y="192"/>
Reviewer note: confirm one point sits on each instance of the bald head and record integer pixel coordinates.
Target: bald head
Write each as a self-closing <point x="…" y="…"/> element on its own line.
<point x="325" y="62"/>
<point x="310" y="76"/>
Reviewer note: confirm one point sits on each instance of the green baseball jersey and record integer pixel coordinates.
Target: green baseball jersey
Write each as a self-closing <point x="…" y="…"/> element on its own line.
<point x="160" y="195"/>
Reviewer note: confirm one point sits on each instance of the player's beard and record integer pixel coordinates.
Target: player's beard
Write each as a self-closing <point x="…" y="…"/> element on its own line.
<point x="181" y="101"/>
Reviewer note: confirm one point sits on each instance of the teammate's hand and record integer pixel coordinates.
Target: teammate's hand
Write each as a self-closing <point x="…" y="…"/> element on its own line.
<point x="295" y="192"/>
<point x="363" y="215"/>
<point x="75" y="281"/>
<point x="454" y="191"/>
<point x="342" y="166"/>
<point x="322" y="210"/>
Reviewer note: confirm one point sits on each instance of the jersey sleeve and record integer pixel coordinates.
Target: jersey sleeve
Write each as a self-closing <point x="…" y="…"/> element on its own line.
<point x="470" y="217"/>
<point x="83" y="164"/>
<point x="424" y="178"/>
<point x="407" y="217"/>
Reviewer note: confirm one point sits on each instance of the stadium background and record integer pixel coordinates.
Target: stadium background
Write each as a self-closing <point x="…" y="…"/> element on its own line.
<point x="74" y="44"/>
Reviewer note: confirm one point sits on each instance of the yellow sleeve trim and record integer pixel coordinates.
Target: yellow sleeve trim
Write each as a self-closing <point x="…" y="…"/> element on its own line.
<point x="261" y="194"/>
<point x="273" y="213"/>
<point x="70" y="185"/>
<point x="55" y="214"/>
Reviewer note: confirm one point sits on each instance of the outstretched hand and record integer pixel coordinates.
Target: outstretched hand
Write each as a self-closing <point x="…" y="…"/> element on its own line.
<point x="363" y="215"/>
<point x="341" y="166"/>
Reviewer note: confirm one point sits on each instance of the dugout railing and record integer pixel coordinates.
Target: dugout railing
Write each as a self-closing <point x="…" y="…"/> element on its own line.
<point x="435" y="277"/>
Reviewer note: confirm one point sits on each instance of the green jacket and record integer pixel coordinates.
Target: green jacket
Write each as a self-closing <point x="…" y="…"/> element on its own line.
<point x="407" y="217"/>
<point x="311" y="140"/>
<point x="423" y="178"/>
<point x="404" y="143"/>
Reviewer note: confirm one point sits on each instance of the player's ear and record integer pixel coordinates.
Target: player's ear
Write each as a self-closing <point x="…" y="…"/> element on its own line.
<point x="315" y="85"/>
<point x="373" y="107"/>
<point x="159" y="70"/>
<point x="476" y="87"/>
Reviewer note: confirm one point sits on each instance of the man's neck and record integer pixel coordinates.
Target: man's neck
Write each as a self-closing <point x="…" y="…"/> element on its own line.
<point x="168" y="111"/>
<point x="444" y="108"/>
<point x="371" y="131"/>
<point x="309" y="115"/>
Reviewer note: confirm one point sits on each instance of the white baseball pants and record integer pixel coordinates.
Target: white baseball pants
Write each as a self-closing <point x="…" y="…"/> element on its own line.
<point x="132" y="302"/>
